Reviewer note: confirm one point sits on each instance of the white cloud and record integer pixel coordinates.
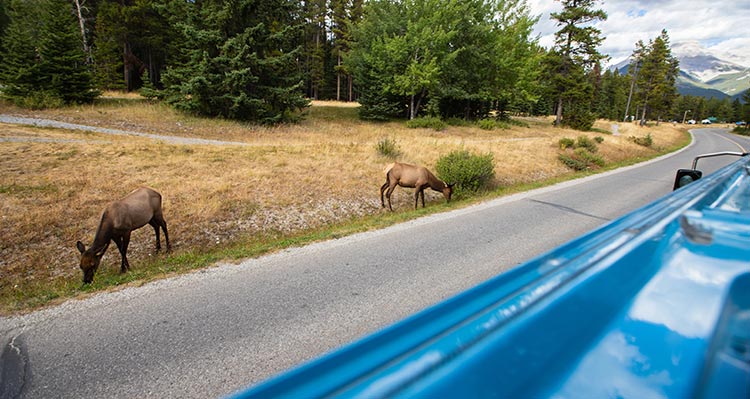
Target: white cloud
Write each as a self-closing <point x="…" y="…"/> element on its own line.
<point x="721" y="27"/>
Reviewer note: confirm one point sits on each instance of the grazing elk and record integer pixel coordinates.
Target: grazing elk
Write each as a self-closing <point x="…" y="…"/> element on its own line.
<point x="412" y="176"/>
<point x="120" y="218"/>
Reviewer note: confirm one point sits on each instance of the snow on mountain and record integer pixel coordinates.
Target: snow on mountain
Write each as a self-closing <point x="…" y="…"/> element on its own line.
<point x="703" y="72"/>
<point x="698" y="62"/>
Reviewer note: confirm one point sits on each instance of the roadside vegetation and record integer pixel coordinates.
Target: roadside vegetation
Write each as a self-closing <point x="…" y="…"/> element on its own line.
<point x="290" y="185"/>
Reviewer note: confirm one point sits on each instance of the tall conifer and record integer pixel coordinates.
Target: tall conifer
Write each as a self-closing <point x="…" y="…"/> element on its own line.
<point x="239" y="61"/>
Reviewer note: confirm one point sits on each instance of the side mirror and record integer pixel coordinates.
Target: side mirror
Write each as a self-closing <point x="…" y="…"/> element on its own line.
<point x="685" y="177"/>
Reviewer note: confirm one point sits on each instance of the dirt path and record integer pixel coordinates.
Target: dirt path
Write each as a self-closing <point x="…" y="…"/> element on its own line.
<point x="17" y="120"/>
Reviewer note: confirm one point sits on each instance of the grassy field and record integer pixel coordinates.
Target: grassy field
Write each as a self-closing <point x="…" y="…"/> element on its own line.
<point x="288" y="185"/>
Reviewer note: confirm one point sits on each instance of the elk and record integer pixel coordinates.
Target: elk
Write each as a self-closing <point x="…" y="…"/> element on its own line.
<point x="412" y="176"/>
<point x="142" y="206"/>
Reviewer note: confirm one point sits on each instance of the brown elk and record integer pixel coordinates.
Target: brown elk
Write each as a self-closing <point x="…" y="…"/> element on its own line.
<point x="120" y="218"/>
<point x="412" y="176"/>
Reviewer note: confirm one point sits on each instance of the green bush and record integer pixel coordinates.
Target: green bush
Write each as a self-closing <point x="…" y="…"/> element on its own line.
<point x="572" y="163"/>
<point x="646" y="141"/>
<point x="587" y="143"/>
<point x="588" y="157"/>
<point x="599" y="139"/>
<point x="486" y="124"/>
<point x="566" y="142"/>
<point x="430" y="122"/>
<point x="38" y="100"/>
<point x="579" y="118"/>
<point x="387" y="147"/>
<point x="469" y="172"/>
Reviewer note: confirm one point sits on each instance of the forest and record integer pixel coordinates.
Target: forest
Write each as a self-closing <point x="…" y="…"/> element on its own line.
<point x="264" y="60"/>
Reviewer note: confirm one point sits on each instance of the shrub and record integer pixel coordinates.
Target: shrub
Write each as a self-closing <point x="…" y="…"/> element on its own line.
<point x="572" y="163"/>
<point x="566" y="142"/>
<point x="486" y="124"/>
<point x="579" y="118"/>
<point x="470" y="172"/>
<point x="590" y="158"/>
<point x="387" y="147"/>
<point x="587" y="143"/>
<point x="646" y="141"/>
<point x="583" y="156"/>
<point x="38" y="100"/>
<point x="430" y="122"/>
<point x="599" y="139"/>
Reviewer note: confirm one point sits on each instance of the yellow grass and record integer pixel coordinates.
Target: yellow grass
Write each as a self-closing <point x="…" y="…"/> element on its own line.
<point x="285" y="180"/>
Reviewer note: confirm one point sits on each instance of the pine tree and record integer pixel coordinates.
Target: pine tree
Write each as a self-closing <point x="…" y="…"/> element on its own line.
<point x="63" y="61"/>
<point x="239" y="61"/>
<point x="44" y="63"/>
<point x="575" y="55"/>
<point x="656" y="80"/>
<point x="19" y="71"/>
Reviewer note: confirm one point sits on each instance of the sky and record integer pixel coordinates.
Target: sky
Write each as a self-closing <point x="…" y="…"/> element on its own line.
<point x="722" y="27"/>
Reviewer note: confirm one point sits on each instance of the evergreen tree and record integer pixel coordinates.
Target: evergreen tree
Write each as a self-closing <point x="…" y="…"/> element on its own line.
<point x="44" y="63"/>
<point x="19" y="71"/>
<point x="574" y="56"/>
<point x="746" y="108"/>
<point x="4" y="21"/>
<point x="63" y="61"/>
<point x="134" y="38"/>
<point x="240" y="61"/>
<point x="611" y="98"/>
<point x="656" y="80"/>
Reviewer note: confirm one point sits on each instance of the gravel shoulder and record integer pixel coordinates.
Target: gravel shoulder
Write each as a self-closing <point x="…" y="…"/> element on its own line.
<point x="72" y="126"/>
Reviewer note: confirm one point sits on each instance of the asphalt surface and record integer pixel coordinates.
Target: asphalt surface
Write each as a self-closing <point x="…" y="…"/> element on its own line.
<point x="210" y="333"/>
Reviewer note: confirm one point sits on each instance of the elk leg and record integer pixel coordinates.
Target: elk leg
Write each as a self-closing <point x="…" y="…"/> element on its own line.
<point x="166" y="235"/>
<point x="124" y="252"/>
<point x="421" y="194"/>
<point x="388" y="195"/>
<point x="382" y="189"/>
<point x="155" y="225"/>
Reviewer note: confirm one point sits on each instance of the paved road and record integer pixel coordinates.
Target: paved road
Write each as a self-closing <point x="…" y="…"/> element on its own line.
<point x="212" y="332"/>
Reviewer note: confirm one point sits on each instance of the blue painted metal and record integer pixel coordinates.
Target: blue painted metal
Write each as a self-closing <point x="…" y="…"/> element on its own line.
<point x="655" y="304"/>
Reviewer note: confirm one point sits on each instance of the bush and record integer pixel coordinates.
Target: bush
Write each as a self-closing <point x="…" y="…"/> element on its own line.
<point x="38" y="100"/>
<point x="566" y="142"/>
<point x="469" y="172"/>
<point x="646" y="141"/>
<point x="428" y="123"/>
<point x="387" y="147"/>
<point x="587" y="143"/>
<point x="486" y="124"/>
<point x="573" y="163"/>
<point x="599" y="139"/>
<point x="579" y="118"/>
<point x="590" y="158"/>
<point x="583" y="156"/>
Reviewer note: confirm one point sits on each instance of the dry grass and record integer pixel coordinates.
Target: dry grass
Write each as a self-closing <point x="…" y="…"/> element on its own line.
<point x="286" y="180"/>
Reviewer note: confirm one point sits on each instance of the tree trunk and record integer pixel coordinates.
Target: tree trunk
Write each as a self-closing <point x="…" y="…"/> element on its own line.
<point x="86" y="48"/>
<point x="558" y="115"/>
<point x="351" y="88"/>
<point x="338" y="79"/>
<point x="412" y="112"/>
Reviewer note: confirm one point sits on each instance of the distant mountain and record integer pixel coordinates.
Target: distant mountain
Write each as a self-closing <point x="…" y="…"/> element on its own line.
<point x="698" y="62"/>
<point x="704" y="74"/>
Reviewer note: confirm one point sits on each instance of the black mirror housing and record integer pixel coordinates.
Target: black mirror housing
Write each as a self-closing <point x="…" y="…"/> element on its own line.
<point x="685" y="177"/>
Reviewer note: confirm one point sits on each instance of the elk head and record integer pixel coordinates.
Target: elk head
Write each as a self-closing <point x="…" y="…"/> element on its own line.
<point x="89" y="261"/>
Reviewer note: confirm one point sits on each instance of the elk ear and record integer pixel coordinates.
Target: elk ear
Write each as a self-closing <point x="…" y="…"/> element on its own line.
<point x="81" y="247"/>
<point x="101" y="252"/>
